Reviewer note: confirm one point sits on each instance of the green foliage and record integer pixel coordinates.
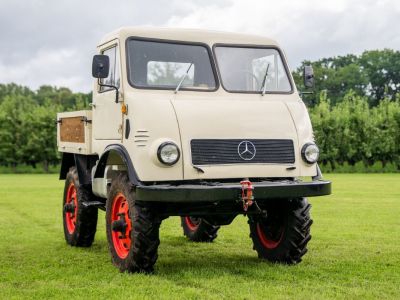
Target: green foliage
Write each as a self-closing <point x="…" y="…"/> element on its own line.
<point x="324" y="126"/>
<point x="355" y="108"/>
<point x="383" y="71"/>
<point x="42" y="142"/>
<point x="63" y="97"/>
<point x="351" y="132"/>
<point x="13" y="130"/>
<point x="13" y="90"/>
<point x="375" y="74"/>
<point x="27" y="123"/>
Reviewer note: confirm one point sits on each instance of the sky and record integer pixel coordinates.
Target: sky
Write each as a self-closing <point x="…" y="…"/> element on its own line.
<point x="52" y="42"/>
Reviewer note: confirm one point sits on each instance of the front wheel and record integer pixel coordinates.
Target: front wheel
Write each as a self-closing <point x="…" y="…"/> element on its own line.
<point x="79" y="221"/>
<point x="283" y="233"/>
<point x="132" y="229"/>
<point x="198" y="229"/>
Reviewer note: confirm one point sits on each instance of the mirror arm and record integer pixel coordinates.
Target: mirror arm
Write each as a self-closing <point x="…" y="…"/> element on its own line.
<point x="110" y="86"/>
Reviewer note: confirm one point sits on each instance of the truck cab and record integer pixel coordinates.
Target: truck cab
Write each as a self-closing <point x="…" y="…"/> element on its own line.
<point x="200" y="124"/>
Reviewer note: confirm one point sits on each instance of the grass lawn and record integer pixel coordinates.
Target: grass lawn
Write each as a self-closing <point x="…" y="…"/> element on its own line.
<point x="354" y="252"/>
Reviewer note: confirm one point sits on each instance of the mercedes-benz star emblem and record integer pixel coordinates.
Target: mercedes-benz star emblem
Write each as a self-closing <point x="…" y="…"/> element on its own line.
<point x="246" y="150"/>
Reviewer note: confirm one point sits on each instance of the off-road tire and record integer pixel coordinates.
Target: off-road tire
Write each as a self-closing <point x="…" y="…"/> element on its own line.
<point x="282" y="235"/>
<point x="198" y="229"/>
<point x="144" y="232"/>
<point x="86" y="217"/>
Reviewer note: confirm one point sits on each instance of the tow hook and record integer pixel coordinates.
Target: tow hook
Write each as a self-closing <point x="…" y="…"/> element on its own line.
<point x="247" y="194"/>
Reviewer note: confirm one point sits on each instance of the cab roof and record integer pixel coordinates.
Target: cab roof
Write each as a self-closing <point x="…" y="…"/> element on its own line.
<point x="209" y="37"/>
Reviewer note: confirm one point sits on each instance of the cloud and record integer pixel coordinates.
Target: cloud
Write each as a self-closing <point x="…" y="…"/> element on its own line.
<point x="56" y="66"/>
<point x="52" y="42"/>
<point x="306" y="29"/>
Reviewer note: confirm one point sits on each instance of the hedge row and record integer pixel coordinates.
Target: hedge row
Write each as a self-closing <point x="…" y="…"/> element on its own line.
<point x="351" y="132"/>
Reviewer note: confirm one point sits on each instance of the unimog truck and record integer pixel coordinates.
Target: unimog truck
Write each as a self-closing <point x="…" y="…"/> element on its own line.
<point x="199" y="124"/>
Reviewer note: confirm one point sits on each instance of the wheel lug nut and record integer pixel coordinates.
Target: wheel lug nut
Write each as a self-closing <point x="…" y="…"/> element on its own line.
<point x="119" y="226"/>
<point x="69" y="208"/>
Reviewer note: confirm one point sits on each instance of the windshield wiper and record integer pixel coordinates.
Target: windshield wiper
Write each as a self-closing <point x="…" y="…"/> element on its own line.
<point x="183" y="78"/>
<point x="264" y="86"/>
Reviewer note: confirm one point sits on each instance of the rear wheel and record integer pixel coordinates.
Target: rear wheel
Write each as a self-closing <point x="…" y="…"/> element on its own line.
<point x="282" y="235"/>
<point x="132" y="229"/>
<point x="79" y="221"/>
<point x="198" y="230"/>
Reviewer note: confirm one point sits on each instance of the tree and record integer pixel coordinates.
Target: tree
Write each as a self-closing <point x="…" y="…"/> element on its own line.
<point x="325" y="129"/>
<point x="385" y="132"/>
<point x="41" y="144"/>
<point x="27" y="122"/>
<point x="13" y="89"/>
<point x="354" y="128"/>
<point x="13" y="130"/>
<point x="375" y="74"/>
<point x="382" y="68"/>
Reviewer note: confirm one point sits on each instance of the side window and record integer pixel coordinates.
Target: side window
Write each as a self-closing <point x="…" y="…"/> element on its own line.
<point x="113" y="77"/>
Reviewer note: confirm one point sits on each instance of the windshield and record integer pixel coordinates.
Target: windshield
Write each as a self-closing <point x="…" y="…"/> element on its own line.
<point x="258" y="70"/>
<point x="164" y="65"/>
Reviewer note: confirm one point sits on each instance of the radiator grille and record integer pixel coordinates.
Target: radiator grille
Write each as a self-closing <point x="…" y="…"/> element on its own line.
<point x="234" y="151"/>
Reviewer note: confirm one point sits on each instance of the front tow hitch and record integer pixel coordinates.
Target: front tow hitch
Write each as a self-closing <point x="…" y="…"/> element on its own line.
<point x="247" y="194"/>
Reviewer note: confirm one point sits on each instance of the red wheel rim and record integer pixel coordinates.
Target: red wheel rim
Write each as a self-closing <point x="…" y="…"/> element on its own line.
<point x="121" y="240"/>
<point x="192" y="223"/>
<point x="70" y="218"/>
<point x="268" y="242"/>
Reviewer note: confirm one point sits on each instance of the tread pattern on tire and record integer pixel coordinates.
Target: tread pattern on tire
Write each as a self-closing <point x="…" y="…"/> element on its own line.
<point x="145" y="230"/>
<point x="86" y="222"/>
<point x="296" y="236"/>
<point x="205" y="232"/>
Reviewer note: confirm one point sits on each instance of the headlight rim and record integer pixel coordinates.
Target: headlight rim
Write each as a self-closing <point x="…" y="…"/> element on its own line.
<point x="162" y="145"/>
<point x="303" y="153"/>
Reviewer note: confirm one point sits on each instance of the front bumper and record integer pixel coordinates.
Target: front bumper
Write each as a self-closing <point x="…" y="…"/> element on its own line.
<point x="217" y="192"/>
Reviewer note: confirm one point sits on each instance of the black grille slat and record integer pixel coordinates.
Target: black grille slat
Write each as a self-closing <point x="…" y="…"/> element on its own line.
<point x="211" y="151"/>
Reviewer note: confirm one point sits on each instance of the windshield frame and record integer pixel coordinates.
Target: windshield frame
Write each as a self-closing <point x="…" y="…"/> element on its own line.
<point x="251" y="46"/>
<point x="167" y="41"/>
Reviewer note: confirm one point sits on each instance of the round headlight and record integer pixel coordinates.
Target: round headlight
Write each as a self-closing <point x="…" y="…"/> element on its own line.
<point x="168" y="153"/>
<point x="310" y="153"/>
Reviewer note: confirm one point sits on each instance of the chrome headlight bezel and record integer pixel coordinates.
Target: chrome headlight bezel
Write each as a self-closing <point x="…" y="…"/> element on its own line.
<point x="161" y="157"/>
<point x="305" y="153"/>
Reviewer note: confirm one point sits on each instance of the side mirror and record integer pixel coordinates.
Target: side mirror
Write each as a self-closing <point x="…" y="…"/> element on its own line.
<point x="100" y="66"/>
<point x="308" y="77"/>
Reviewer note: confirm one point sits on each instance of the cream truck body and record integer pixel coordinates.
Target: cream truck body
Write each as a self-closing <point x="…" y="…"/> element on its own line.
<point x="126" y="136"/>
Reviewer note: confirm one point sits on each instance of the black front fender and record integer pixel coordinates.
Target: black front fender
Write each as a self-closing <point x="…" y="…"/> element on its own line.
<point x="124" y="155"/>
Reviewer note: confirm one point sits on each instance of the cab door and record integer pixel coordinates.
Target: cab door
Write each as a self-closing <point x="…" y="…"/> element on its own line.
<point x="107" y="116"/>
